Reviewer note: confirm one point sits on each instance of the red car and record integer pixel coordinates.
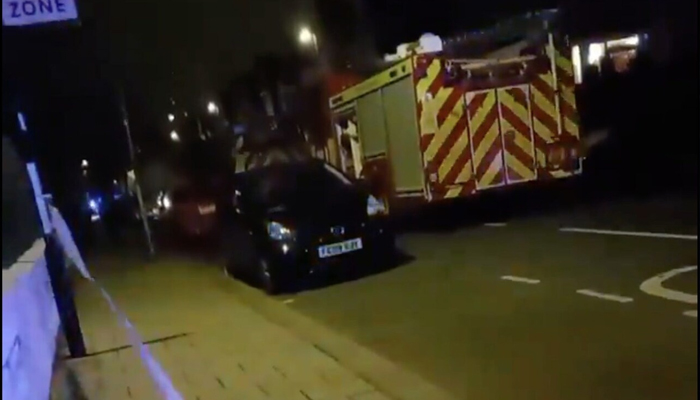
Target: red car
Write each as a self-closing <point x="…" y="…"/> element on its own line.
<point x="191" y="211"/>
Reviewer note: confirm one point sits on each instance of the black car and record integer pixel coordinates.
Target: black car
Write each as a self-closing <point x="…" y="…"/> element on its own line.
<point x="293" y="221"/>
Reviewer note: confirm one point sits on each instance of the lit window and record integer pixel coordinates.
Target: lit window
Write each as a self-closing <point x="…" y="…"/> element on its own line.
<point x="576" y="60"/>
<point x="596" y="51"/>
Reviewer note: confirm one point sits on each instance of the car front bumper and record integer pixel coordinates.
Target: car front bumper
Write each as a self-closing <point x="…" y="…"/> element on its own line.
<point x="295" y="260"/>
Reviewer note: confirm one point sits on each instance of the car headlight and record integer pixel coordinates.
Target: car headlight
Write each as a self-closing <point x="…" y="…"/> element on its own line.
<point x="375" y="206"/>
<point x="164" y="201"/>
<point x="278" y="231"/>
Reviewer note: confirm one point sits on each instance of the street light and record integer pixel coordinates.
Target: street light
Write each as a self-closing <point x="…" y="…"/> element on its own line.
<point x="84" y="164"/>
<point x="171" y="117"/>
<point x="307" y="37"/>
<point x="212" y="108"/>
<point x="174" y="136"/>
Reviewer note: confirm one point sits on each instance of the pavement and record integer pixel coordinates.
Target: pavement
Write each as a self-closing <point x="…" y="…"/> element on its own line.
<point x="595" y="301"/>
<point x="211" y="344"/>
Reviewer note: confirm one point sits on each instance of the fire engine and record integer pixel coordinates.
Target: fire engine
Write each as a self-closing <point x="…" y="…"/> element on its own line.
<point x="277" y="135"/>
<point x="447" y="121"/>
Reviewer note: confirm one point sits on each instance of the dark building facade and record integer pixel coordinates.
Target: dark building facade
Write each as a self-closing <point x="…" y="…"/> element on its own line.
<point x="20" y="220"/>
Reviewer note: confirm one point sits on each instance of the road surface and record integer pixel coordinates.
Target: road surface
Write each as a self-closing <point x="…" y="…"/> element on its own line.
<point x="548" y="307"/>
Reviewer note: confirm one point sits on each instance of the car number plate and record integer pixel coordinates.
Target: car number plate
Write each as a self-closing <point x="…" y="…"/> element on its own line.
<point x="335" y="249"/>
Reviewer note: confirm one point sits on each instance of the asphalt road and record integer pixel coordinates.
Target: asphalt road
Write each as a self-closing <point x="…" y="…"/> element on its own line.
<point x="539" y="307"/>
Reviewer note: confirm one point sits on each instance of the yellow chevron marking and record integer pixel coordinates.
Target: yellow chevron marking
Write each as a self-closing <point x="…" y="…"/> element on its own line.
<point x="505" y="97"/>
<point x="239" y="162"/>
<point x="447" y="126"/>
<point x="459" y="147"/>
<point x="491" y="136"/>
<point x="568" y="96"/>
<point x="490" y="175"/>
<point x="525" y="172"/>
<point x="477" y="120"/>
<point x="424" y="83"/>
<point x="571" y="127"/>
<point x="453" y="192"/>
<point x="546" y="105"/>
<point x="467" y="172"/>
<point x="422" y="86"/>
<point x="564" y="63"/>
<point x="520" y="138"/>
<point x="462" y="143"/>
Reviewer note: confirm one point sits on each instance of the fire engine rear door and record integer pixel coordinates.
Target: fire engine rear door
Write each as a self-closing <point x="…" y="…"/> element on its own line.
<point x="516" y="129"/>
<point x="485" y="135"/>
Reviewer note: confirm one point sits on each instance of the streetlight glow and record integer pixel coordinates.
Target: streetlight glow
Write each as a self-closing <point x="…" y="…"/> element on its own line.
<point x="308" y="38"/>
<point x="212" y="108"/>
<point x="171" y="117"/>
<point x="84" y="164"/>
<point x="174" y="136"/>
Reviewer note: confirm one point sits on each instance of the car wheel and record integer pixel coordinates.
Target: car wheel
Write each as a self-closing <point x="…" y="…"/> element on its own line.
<point x="268" y="281"/>
<point x="235" y="246"/>
<point x="391" y="251"/>
<point x="232" y="263"/>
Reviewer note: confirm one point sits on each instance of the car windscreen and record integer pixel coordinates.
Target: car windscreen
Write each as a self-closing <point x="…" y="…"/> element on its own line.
<point x="282" y="185"/>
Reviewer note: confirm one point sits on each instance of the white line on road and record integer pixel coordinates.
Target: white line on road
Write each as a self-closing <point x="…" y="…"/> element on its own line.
<point x="630" y="233"/>
<point x="654" y="286"/>
<point x="288" y="301"/>
<point x="605" y="296"/>
<point x="495" y="224"/>
<point x="520" y="279"/>
<point x="691" y="313"/>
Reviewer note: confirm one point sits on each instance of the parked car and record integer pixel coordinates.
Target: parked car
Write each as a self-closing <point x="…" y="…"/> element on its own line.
<point x="191" y="211"/>
<point x="292" y="220"/>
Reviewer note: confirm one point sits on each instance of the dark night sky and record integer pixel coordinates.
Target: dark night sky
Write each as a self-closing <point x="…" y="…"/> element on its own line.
<point x="190" y="49"/>
<point x="193" y="47"/>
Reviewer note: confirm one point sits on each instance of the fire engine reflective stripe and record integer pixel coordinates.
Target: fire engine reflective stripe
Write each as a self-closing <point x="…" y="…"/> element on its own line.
<point x="458" y="191"/>
<point x="446" y="149"/>
<point x="486" y="140"/>
<point x="515" y="126"/>
<point x="567" y="103"/>
<point x="239" y="161"/>
<point x="427" y="80"/>
<point x="453" y="156"/>
<point x="544" y="115"/>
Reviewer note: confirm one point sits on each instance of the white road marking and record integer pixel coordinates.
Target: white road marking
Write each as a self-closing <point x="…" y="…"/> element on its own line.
<point x="495" y="224"/>
<point x="520" y="279"/>
<point x="288" y="301"/>
<point x="691" y="313"/>
<point x="630" y="233"/>
<point x="605" y="296"/>
<point x="654" y="286"/>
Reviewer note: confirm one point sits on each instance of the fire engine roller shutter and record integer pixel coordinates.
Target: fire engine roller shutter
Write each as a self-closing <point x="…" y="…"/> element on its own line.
<point x="402" y="130"/>
<point x="371" y="124"/>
